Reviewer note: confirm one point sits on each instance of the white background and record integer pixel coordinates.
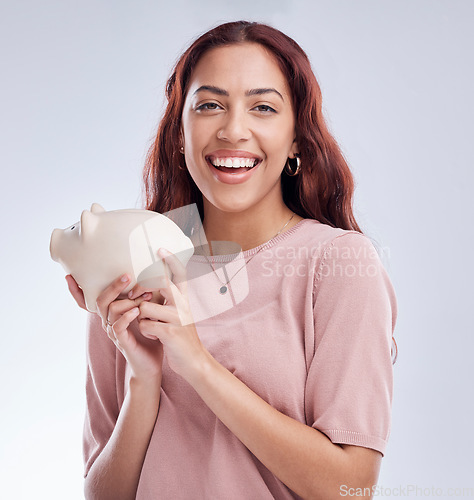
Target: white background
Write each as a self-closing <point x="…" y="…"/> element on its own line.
<point x="82" y="89"/>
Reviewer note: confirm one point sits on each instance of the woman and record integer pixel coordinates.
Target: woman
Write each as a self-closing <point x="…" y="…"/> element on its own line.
<point x="282" y="388"/>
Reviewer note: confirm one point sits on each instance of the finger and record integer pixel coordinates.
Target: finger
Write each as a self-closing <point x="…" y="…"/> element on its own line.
<point x="119" y="307"/>
<point x="180" y="305"/>
<point x="153" y="330"/>
<point x="156" y="312"/>
<point x="119" y="330"/>
<point x="168" y="295"/>
<point x="76" y="292"/>
<point x="174" y="295"/>
<point x="111" y="293"/>
<point x="176" y="267"/>
<point x="157" y="297"/>
<point x="138" y="289"/>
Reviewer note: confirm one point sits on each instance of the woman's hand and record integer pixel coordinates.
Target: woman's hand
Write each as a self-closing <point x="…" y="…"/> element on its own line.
<point x="144" y="356"/>
<point x="76" y="292"/>
<point x="171" y="323"/>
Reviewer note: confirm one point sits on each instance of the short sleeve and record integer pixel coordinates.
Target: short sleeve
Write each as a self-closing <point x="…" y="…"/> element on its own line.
<point x="348" y="392"/>
<point x="102" y="406"/>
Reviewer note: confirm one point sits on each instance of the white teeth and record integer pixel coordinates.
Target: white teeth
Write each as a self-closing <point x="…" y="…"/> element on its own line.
<point x="234" y="162"/>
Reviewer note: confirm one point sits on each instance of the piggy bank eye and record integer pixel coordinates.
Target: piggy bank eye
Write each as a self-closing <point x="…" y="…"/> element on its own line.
<point x="72" y="227"/>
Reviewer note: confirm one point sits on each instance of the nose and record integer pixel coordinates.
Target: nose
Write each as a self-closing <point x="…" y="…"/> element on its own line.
<point x="53" y="244"/>
<point x="235" y="127"/>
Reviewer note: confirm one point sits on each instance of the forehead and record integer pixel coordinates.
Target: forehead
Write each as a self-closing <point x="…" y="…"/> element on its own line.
<point x="238" y="68"/>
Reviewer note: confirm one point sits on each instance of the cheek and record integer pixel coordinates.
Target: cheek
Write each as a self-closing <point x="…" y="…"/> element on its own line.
<point x="278" y="139"/>
<point x="194" y="145"/>
<point x="194" y="137"/>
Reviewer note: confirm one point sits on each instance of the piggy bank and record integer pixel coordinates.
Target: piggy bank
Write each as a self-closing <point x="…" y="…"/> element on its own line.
<point x="104" y="245"/>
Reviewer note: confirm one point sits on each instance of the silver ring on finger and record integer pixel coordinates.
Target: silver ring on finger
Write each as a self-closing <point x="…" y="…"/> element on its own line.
<point x="110" y="330"/>
<point x="107" y="319"/>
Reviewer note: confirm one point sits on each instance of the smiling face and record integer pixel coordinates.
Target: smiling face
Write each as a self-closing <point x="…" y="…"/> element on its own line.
<point x="238" y="128"/>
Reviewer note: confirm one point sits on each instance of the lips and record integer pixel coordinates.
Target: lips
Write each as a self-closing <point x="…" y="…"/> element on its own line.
<point x="232" y="167"/>
<point x="227" y="161"/>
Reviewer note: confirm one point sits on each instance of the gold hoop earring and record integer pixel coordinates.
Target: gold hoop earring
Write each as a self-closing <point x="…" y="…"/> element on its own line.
<point x="180" y="160"/>
<point x="287" y="169"/>
<point x="181" y="150"/>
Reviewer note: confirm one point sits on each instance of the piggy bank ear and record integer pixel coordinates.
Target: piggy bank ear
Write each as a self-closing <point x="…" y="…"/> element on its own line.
<point x="97" y="209"/>
<point x="89" y="222"/>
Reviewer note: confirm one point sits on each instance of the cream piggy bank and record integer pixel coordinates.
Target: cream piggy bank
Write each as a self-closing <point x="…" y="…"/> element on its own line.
<point x="104" y="245"/>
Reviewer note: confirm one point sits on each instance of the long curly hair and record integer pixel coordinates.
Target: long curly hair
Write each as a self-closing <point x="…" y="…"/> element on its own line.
<point x="324" y="188"/>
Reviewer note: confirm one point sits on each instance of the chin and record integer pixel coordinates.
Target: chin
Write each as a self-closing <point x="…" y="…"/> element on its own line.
<point x="234" y="208"/>
<point x="231" y="205"/>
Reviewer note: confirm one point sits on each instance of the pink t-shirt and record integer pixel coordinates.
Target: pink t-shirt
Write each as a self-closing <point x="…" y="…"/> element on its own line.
<point x="306" y="324"/>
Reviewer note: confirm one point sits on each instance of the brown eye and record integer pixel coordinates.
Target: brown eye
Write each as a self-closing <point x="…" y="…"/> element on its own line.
<point x="208" y="106"/>
<point x="265" y="108"/>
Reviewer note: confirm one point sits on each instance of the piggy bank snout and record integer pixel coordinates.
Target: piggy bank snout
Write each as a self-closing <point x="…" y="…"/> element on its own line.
<point x="54" y="243"/>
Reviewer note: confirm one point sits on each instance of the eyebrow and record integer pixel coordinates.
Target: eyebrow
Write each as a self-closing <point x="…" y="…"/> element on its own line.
<point x="251" y="92"/>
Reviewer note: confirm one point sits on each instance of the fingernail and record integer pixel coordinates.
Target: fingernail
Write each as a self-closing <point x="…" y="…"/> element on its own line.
<point x="124" y="278"/>
<point x="163" y="251"/>
<point x="130" y="293"/>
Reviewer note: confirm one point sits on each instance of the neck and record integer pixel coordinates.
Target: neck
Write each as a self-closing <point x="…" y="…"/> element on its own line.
<point x="248" y="229"/>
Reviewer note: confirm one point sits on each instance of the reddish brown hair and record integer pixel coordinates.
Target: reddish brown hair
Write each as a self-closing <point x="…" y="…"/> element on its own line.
<point x="323" y="190"/>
